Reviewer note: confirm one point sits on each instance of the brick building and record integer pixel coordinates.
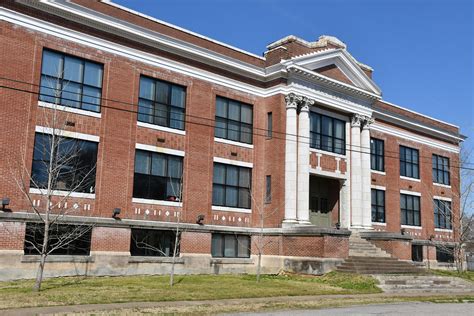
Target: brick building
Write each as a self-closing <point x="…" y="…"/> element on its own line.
<point x="175" y="129"/>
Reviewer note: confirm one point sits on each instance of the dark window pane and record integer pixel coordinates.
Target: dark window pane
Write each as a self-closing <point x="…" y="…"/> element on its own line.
<point x="234" y="111"/>
<point x="71" y="95"/>
<point x="177" y="118"/>
<point x="218" y="194"/>
<point x="219" y="173"/>
<point x="148" y="242"/>
<point x="230" y="246"/>
<point x="73" y="69"/>
<point x="178" y="96"/>
<point x="93" y="74"/>
<point x="91" y="99"/>
<point x="147" y="88"/>
<point x="221" y="128"/>
<point x="233" y="120"/>
<point x="52" y="64"/>
<point x="231" y="196"/>
<point x="145" y="111"/>
<point x="221" y="107"/>
<point x="162" y="90"/>
<point x="217" y="245"/>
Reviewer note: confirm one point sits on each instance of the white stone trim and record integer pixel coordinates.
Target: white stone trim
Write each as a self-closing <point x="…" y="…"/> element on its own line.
<point x="162" y="150"/>
<point x="442" y="198"/>
<point x="443" y="230"/>
<point x="411" y="227"/>
<point x="410" y="179"/>
<point x="327" y="174"/>
<point x="322" y="152"/>
<point x="379" y="224"/>
<point x="233" y="162"/>
<point x="63" y="193"/>
<point x="63" y="133"/>
<point x="231" y="209"/>
<point x="161" y="128"/>
<point x="157" y="202"/>
<point x="410" y="193"/>
<point x="231" y="142"/>
<point x="378" y="187"/>
<point x="383" y="173"/>
<point x="415" y="138"/>
<point x="60" y="107"/>
<point x="442" y="185"/>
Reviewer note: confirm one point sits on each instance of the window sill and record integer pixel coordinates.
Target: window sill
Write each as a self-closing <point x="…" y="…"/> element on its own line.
<point x="146" y="259"/>
<point x="411" y="227"/>
<point x="231" y="142"/>
<point x="445" y="230"/>
<point x="231" y="209"/>
<point x="379" y="223"/>
<point x="442" y="185"/>
<point x="157" y="202"/>
<point x="319" y="151"/>
<point x="161" y="128"/>
<point x="56" y="258"/>
<point x="379" y="172"/>
<point x="410" y="179"/>
<point x="68" y="109"/>
<point x="231" y="261"/>
<point x="64" y="193"/>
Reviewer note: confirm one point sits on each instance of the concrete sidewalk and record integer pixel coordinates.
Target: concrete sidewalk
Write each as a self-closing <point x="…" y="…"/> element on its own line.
<point x="226" y="302"/>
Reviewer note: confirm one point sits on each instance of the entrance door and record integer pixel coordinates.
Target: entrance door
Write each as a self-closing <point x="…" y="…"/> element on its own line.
<point x="320" y="215"/>
<point x="320" y="202"/>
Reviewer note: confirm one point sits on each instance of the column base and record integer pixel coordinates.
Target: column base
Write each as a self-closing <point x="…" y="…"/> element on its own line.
<point x="289" y="223"/>
<point x="301" y="222"/>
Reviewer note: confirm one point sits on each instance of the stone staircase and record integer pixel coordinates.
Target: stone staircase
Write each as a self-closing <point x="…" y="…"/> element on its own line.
<point x="366" y="258"/>
<point x="423" y="283"/>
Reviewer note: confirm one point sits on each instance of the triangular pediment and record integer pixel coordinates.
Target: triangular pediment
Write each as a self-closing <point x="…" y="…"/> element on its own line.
<point x="332" y="71"/>
<point x="339" y="65"/>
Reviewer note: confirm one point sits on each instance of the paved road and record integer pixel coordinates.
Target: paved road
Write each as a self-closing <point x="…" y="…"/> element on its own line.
<point x="418" y="309"/>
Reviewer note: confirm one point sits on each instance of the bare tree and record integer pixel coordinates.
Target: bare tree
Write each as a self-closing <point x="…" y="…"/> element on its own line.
<point x="177" y="189"/>
<point x="462" y="223"/>
<point x="58" y="171"/>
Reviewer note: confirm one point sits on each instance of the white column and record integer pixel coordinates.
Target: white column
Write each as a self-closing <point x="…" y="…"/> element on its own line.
<point x="303" y="162"/>
<point x="292" y="101"/>
<point x="356" y="173"/>
<point x="366" y="182"/>
<point x="344" y="202"/>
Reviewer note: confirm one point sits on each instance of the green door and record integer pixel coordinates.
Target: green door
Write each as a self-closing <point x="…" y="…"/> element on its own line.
<point x="319" y="214"/>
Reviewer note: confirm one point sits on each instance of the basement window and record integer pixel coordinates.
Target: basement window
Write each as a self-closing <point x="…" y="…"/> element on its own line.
<point x="230" y="246"/>
<point x="417" y="253"/>
<point x="153" y="243"/>
<point x="445" y="254"/>
<point x="72" y="240"/>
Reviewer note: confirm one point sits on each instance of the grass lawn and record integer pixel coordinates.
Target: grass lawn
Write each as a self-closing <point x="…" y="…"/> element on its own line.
<point x="467" y="275"/>
<point x="95" y="290"/>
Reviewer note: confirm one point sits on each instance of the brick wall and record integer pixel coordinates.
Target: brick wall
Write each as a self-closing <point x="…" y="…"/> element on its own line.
<point x="111" y="239"/>
<point x="193" y="242"/>
<point x="12" y="235"/>
<point x="398" y="249"/>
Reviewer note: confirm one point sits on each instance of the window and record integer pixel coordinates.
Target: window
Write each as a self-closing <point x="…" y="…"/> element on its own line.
<point x="328" y="134"/>
<point x="440" y="169"/>
<point x="442" y="214"/>
<point x="230" y="246"/>
<point x="74" y="159"/>
<point x="409" y="164"/>
<point x="153" y="243"/>
<point x="269" y="125"/>
<point x="64" y="239"/>
<point x="410" y="210"/>
<point x="268" y="189"/>
<point x="157" y="176"/>
<point x="377" y="154"/>
<point x="161" y="103"/>
<point x="233" y="120"/>
<point x="378" y="206"/>
<point x="445" y="254"/>
<point x="70" y="81"/>
<point x="231" y="186"/>
<point x="417" y="253"/>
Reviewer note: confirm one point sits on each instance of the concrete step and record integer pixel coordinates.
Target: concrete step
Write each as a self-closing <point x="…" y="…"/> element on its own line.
<point x="426" y="283"/>
<point x="375" y="265"/>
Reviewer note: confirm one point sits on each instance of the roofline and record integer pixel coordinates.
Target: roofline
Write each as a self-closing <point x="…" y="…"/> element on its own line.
<point x="118" y="6"/>
<point x="424" y="115"/>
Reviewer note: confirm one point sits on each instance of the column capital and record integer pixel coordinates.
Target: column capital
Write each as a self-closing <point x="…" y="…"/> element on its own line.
<point x="292" y="101"/>
<point x="356" y="120"/>
<point x="305" y="104"/>
<point x="367" y="121"/>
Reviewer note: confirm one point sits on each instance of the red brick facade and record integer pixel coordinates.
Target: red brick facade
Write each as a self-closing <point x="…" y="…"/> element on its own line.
<point x="119" y="133"/>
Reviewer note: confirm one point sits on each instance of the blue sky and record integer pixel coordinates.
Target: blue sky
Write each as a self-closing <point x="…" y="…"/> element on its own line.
<point x="421" y="50"/>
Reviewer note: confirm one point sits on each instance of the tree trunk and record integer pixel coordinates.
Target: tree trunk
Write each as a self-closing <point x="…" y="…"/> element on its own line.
<point x="44" y="252"/>
<point x="259" y="265"/>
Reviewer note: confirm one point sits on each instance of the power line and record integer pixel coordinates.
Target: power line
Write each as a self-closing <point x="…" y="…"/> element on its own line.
<point x="213" y="126"/>
<point x="172" y="119"/>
